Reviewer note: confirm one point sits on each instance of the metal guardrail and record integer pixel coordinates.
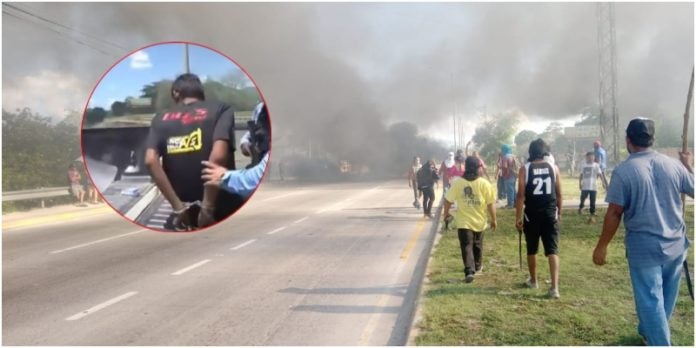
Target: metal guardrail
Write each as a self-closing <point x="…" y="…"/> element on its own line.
<point x="40" y="193"/>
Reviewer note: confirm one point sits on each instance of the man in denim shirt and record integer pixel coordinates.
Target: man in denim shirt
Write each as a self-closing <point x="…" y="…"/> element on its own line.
<point x="646" y="189"/>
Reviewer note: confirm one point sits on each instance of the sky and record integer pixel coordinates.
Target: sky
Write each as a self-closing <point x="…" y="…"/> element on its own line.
<point x="365" y="66"/>
<point x="156" y="63"/>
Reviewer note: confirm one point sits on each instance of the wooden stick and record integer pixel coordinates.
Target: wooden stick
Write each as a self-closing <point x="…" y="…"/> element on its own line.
<point x="685" y="133"/>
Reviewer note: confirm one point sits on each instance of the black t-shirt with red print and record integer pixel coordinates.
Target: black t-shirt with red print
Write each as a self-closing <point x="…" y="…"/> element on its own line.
<point x="184" y="136"/>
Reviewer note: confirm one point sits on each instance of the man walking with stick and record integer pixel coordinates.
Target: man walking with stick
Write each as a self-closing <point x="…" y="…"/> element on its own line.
<point x="645" y="189"/>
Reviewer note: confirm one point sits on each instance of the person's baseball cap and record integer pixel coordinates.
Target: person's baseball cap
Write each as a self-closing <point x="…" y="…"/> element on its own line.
<point x="641" y="131"/>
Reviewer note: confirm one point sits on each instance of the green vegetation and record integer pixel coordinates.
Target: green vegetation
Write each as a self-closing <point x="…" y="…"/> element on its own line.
<point x="155" y="97"/>
<point x="596" y="305"/>
<point x="36" y="153"/>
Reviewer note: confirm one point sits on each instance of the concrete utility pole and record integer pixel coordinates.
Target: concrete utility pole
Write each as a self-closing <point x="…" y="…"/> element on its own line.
<point x="187" y="68"/>
<point x="608" y="113"/>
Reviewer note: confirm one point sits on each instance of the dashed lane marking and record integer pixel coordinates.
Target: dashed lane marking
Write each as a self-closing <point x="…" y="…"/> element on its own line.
<point x="300" y="220"/>
<point x="243" y="244"/>
<point x="101" y="306"/>
<point x="195" y="265"/>
<point x="277" y="230"/>
<point x="98" y="241"/>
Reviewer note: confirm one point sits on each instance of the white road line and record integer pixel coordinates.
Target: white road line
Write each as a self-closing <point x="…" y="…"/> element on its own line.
<point x="333" y="207"/>
<point x="101" y="306"/>
<point x="279" y="196"/>
<point x="142" y="204"/>
<point x="184" y="270"/>
<point x="97" y="241"/>
<point x="155" y="226"/>
<point x="300" y="220"/>
<point x="158" y="220"/>
<point x="243" y="244"/>
<point x="276" y="230"/>
<point x="161" y="215"/>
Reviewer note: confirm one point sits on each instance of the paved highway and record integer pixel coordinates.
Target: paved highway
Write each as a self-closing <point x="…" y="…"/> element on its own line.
<point x="298" y="265"/>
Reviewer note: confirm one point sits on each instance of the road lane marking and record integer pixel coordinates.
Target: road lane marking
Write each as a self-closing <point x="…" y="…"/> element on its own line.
<point x="371" y="326"/>
<point x="372" y="322"/>
<point x="300" y="220"/>
<point x="101" y="306"/>
<point x="279" y="196"/>
<point x="195" y="265"/>
<point x="97" y="241"/>
<point x="142" y="203"/>
<point x="56" y="218"/>
<point x="337" y="206"/>
<point x="243" y="244"/>
<point x="412" y="241"/>
<point x="158" y="220"/>
<point x="276" y="230"/>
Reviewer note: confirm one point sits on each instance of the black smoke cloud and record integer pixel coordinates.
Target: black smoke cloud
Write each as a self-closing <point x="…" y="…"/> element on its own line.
<point x="335" y="75"/>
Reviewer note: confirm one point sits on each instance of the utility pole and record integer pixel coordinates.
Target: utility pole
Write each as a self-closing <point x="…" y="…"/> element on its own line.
<point x="608" y="112"/>
<point x="187" y="68"/>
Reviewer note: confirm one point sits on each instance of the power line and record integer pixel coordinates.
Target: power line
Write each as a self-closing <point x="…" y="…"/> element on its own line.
<point x="63" y="35"/>
<point x="96" y="38"/>
<point x="48" y="24"/>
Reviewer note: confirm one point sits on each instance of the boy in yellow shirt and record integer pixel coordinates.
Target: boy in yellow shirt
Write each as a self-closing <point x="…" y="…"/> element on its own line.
<point x="474" y="197"/>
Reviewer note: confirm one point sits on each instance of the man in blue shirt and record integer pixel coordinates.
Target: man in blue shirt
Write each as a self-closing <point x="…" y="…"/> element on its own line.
<point x="645" y="189"/>
<point x="600" y="156"/>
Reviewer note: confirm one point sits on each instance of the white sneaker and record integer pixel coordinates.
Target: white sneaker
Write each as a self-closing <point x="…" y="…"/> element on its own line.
<point x="553" y="293"/>
<point x="530" y="284"/>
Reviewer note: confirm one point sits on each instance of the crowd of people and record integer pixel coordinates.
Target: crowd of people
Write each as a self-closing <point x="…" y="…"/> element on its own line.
<point x="644" y="190"/>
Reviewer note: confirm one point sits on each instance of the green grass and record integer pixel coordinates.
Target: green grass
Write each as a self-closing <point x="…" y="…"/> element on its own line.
<point x="596" y="305"/>
<point x="570" y="188"/>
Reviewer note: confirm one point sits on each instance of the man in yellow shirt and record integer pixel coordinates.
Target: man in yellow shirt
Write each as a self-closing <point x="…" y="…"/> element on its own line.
<point x="474" y="197"/>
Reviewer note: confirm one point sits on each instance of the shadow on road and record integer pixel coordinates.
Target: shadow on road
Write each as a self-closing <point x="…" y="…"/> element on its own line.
<point x="346" y="309"/>
<point x="396" y="291"/>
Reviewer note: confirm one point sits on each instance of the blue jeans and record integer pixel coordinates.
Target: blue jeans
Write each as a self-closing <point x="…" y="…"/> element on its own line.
<point x="655" y="291"/>
<point x="510" y="191"/>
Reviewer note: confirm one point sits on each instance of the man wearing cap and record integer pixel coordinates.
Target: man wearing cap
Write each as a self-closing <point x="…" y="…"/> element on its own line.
<point x="600" y="156"/>
<point x="474" y="197"/>
<point x="645" y="189"/>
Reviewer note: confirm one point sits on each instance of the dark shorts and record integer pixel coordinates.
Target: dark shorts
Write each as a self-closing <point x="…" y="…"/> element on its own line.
<point x="541" y="225"/>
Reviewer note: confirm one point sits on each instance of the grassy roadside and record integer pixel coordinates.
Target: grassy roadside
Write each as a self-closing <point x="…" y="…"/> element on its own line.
<point x="596" y="305"/>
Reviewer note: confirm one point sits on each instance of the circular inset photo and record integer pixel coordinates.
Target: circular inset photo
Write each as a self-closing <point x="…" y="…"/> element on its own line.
<point x="176" y="137"/>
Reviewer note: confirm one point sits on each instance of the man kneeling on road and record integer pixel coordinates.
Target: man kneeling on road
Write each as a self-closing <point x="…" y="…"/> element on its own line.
<point x="474" y="196"/>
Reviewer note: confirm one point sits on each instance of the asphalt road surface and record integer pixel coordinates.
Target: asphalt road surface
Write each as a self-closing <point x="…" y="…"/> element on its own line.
<point x="298" y="265"/>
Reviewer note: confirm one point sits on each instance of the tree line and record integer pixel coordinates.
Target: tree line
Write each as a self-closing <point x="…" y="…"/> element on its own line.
<point x="228" y="90"/>
<point x="36" y="151"/>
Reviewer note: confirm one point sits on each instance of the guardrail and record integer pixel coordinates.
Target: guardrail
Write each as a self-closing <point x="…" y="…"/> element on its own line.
<point x="41" y="193"/>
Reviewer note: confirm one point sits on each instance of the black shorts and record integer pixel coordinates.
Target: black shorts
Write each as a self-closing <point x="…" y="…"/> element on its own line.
<point x="541" y="225"/>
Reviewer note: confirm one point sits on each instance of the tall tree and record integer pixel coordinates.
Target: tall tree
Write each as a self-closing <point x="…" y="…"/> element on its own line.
<point x="493" y="133"/>
<point x="522" y="140"/>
